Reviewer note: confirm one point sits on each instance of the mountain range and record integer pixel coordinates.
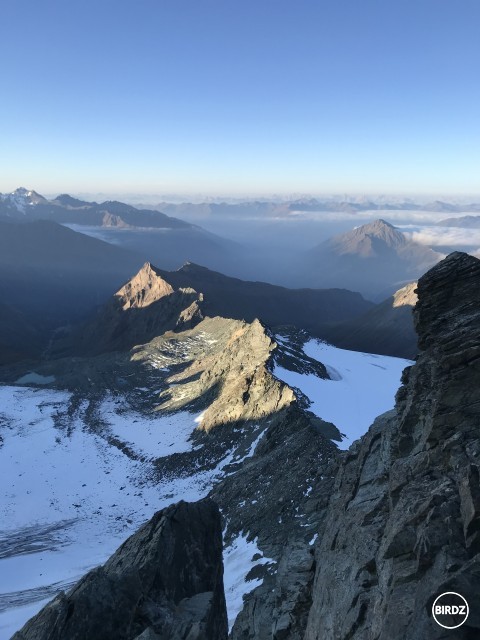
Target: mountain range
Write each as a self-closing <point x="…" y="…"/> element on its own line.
<point x="286" y="208"/>
<point x="191" y="384"/>
<point x="467" y="222"/>
<point x="223" y="409"/>
<point x="24" y="204"/>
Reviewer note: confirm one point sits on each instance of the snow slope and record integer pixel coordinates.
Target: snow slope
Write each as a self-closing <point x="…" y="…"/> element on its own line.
<point x="69" y="498"/>
<point x="362" y="386"/>
<point x="237" y="562"/>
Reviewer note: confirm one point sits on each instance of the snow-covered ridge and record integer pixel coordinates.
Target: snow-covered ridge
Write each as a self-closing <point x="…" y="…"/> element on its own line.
<point x="21" y="198"/>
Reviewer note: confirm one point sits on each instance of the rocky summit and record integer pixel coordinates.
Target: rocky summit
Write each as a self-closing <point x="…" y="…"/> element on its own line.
<point x="165" y="581"/>
<point x="146" y="306"/>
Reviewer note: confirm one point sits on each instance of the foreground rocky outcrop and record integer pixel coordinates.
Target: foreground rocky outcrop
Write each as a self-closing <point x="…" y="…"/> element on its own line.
<point x="165" y="581"/>
<point x="403" y="524"/>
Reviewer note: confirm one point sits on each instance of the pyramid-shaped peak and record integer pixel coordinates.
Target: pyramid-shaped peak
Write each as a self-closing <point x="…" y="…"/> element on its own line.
<point x="146" y="287"/>
<point x="367" y="239"/>
<point x="380" y="223"/>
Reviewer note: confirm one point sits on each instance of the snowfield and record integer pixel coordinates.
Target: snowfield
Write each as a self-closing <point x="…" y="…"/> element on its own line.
<point x="79" y="478"/>
<point x="362" y="387"/>
<point x="69" y="498"/>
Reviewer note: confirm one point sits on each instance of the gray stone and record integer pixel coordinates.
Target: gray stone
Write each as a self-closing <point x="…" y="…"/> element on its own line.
<point x="164" y="582"/>
<point x="402" y="525"/>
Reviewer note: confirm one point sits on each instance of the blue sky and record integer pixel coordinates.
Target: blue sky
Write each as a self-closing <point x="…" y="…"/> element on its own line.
<point x="227" y="97"/>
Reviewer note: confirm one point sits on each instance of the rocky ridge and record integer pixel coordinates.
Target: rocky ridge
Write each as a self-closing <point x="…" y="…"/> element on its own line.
<point x="402" y="526"/>
<point x="165" y="581"/>
<point x="145" y="307"/>
<point x="253" y="428"/>
<point x="23" y="204"/>
<point x="360" y="543"/>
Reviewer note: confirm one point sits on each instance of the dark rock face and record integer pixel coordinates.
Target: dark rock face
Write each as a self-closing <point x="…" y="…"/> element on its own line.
<point x="286" y="488"/>
<point x="229" y="297"/>
<point x="403" y="524"/>
<point x="386" y="329"/>
<point x="165" y="581"/>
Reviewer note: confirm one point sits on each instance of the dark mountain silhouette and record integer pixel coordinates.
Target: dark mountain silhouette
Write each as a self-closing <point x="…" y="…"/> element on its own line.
<point x="233" y="298"/>
<point x="165" y="581"/>
<point x="159" y="238"/>
<point x="52" y="276"/>
<point x="386" y="329"/>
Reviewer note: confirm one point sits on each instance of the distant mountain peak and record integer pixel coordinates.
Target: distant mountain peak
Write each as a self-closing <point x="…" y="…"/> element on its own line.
<point x="380" y="223"/>
<point x="69" y="201"/>
<point x="192" y="267"/>
<point x="368" y="239"/>
<point x="27" y="193"/>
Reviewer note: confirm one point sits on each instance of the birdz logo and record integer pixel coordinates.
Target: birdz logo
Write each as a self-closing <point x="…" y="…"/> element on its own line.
<point x="450" y="610"/>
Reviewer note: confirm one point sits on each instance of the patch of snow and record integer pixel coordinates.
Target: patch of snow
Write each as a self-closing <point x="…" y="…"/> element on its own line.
<point x="237" y="562"/>
<point x="252" y="448"/>
<point x="363" y="386"/>
<point x="156" y="437"/>
<point x="14" y="619"/>
<point x="35" y="378"/>
<point x="312" y="541"/>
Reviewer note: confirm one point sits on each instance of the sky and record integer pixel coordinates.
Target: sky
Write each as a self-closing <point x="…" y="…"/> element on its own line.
<point x="248" y="97"/>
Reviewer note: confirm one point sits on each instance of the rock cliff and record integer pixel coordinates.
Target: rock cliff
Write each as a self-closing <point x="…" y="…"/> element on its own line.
<point x="403" y="523"/>
<point x="165" y="581"/>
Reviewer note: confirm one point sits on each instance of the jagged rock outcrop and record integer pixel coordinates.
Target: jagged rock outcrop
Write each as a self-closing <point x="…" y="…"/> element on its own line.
<point x="145" y="307"/>
<point x="233" y="374"/>
<point x="165" y="581"/>
<point x="403" y="524"/>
